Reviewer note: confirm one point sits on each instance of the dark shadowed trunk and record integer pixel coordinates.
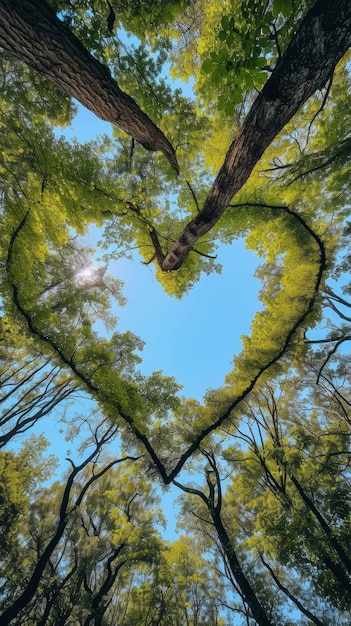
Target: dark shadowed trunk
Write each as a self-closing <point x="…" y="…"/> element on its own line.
<point x="248" y="593"/>
<point x="257" y="610"/>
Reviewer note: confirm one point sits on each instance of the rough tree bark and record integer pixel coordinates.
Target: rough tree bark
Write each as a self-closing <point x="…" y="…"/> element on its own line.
<point x="320" y="42"/>
<point x="30" y="30"/>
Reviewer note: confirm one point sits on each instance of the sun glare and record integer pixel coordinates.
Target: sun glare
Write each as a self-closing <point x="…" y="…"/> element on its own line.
<point x="86" y="274"/>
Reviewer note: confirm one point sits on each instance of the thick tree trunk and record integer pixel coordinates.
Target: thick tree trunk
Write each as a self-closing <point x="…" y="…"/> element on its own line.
<point x="257" y="610"/>
<point x="30" y="30"/>
<point x="247" y="591"/>
<point x="29" y="591"/>
<point x="321" y="41"/>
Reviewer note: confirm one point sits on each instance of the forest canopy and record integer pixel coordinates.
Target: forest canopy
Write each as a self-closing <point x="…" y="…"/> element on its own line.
<point x="225" y="121"/>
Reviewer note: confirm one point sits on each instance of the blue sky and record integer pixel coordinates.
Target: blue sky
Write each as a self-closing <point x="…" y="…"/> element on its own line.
<point x="193" y="339"/>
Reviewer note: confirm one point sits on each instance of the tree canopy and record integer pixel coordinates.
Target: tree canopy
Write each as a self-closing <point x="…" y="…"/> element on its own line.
<point x="230" y="120"/>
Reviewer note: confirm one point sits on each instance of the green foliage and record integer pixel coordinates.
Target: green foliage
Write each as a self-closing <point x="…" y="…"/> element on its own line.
<point x="280" y="445"/>
<point x="288" y="443"/>
<point x="20" y="473"/>
<point x="94" y="22"/>
<point x="177" y="591"/>
<point x="236" y="45"/>
<point x="25" y="90"/>
<point x="252" y="40"/>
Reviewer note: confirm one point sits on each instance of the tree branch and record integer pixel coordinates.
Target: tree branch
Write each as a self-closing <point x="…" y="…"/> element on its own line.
<point x="291" y="597"/>
<point x="168" y="477"/>
<point x="307" y="64"/>
<point x="31" y="31"/>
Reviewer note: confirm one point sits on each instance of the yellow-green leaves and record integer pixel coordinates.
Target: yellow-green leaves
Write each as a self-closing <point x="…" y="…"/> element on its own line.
<point x="250" y="37"/>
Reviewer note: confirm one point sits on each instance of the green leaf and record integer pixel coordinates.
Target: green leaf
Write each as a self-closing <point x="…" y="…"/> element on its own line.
<point x="225" y="22"/>
<point x="282" y="6"/>
<point x="230" y="108"/>
<point x="208" y="66"/>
